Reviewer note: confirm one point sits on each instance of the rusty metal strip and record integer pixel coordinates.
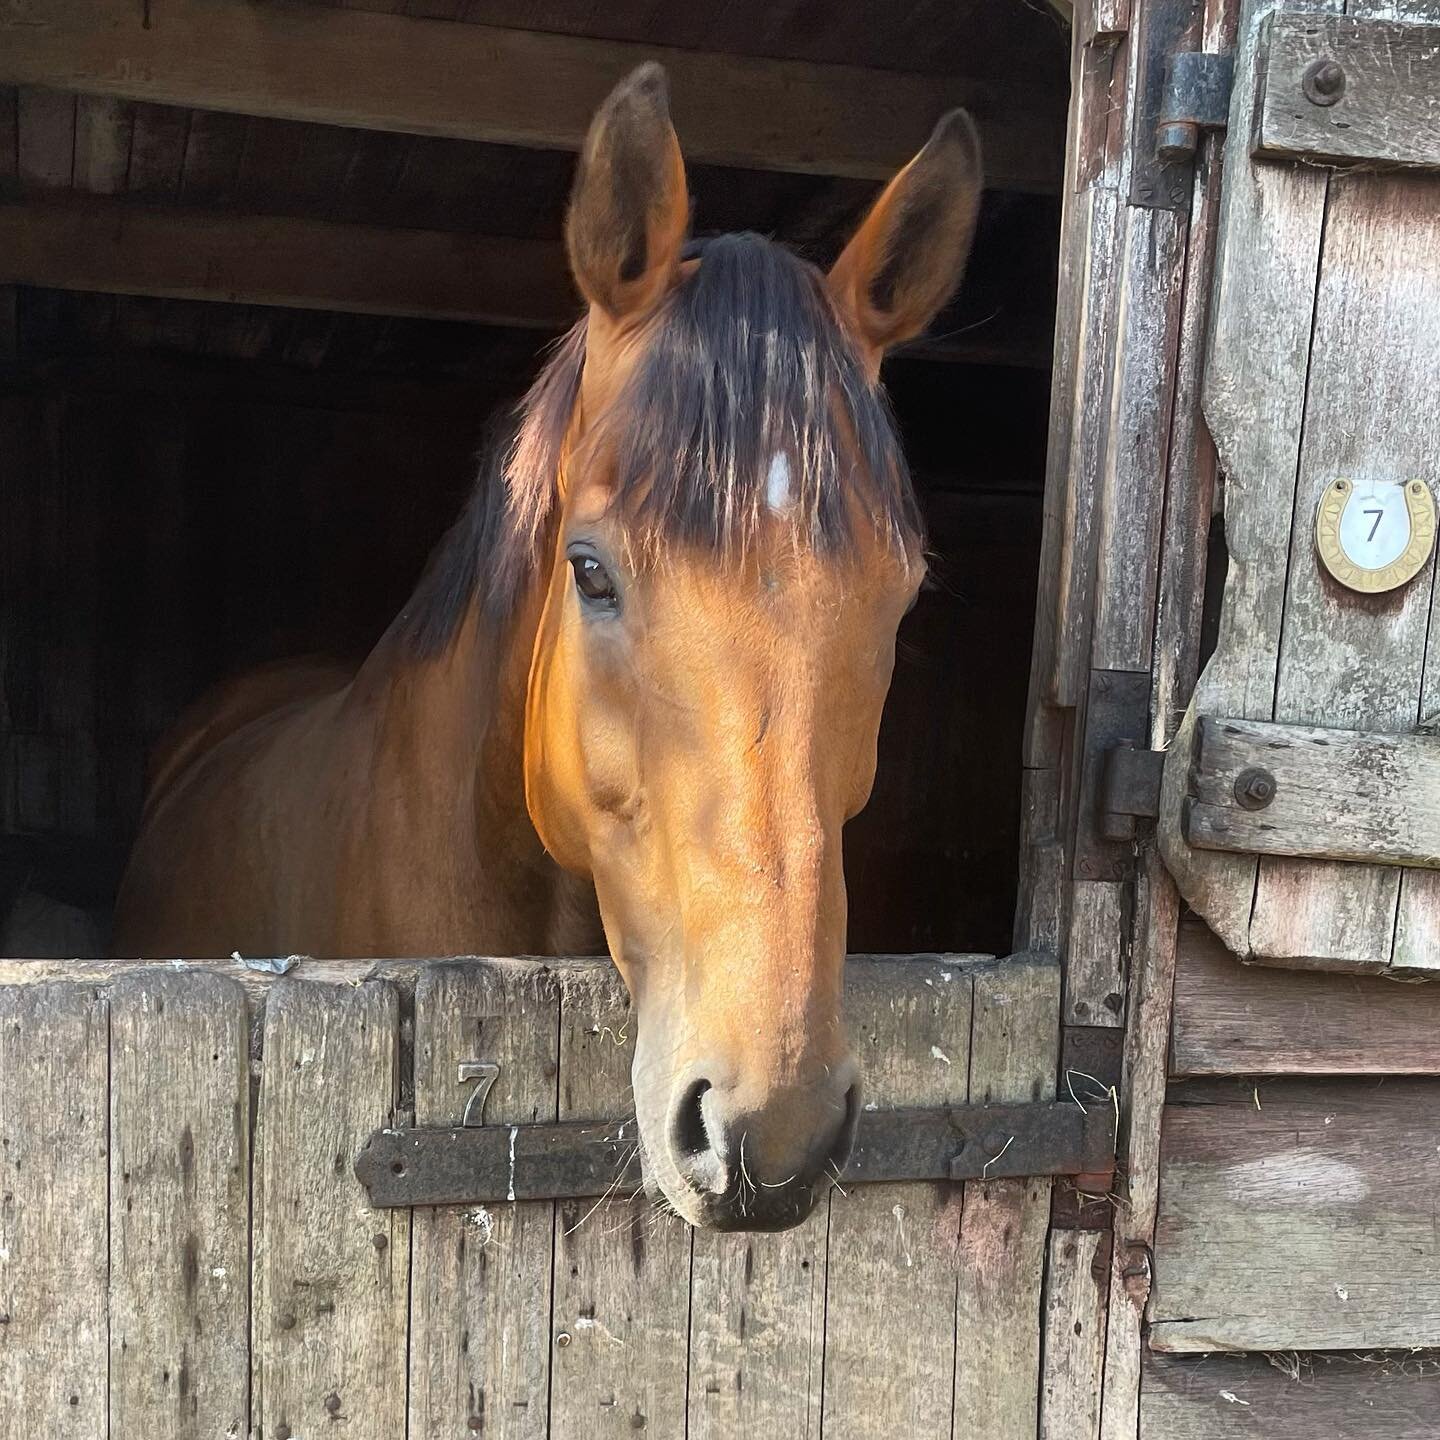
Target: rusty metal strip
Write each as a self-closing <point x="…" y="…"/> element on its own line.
<point x="490" y="1163"/>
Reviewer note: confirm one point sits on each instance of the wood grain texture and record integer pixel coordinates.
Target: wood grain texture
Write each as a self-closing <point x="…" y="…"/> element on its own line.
<point x="1142" y="1100"/>
<point x="1095" y="955"/>
<point x="510" y="86"/>
<point x="1389" y="111"/>
<point x="757" y="1333"/>
<point x="179" y="1208"/>
<point x="1132" y="499"/>
<point x="480" y="1276"/>
<point x="1343" y="661"/>
<point x="1339" y="794"/>
<point x="1298" y="1216"/>
<point x="620" y="1326"/>
<point x="1268" y="256"/>
<point x="1073" y="590"/>
<point x="1075" y="1297"/>
<point x="283" y="261"/>
<point x="1013" y="1057"/>
<point x="330" y="1275"/>
<point x="1234" y="1019"/>
<point x="103" y="128"/>
<point x="892" y="1248"/>
<point x="54" y="1149"/>
<point x="1374" y="1396"/>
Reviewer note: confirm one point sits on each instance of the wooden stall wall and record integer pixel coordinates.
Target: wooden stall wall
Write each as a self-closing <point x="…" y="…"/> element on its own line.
<point x="185" y="1251"/>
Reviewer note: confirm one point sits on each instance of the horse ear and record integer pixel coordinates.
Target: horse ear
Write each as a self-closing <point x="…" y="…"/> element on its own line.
<point x="909" y="253"/>
<point x="629" y="208"/>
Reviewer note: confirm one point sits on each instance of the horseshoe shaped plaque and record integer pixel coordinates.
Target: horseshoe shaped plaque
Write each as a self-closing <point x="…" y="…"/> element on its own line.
<point x="1375" y="535"/>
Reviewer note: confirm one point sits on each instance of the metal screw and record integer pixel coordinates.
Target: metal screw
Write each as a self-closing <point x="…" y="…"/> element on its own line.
<point x="1323" y="82"/>
<point x="287" y="1322"/>
<point x="282" y="1431"/>
<point x="563" y="1339"/>
<point x="332" y="1403"/>
<point x="1254" y="788"/>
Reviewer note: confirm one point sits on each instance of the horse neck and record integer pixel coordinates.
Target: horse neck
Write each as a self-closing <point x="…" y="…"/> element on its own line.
<point x="448" y="757"/>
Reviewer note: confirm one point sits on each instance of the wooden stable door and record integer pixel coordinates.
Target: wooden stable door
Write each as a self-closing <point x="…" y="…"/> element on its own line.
<point x="1245" y="461"/>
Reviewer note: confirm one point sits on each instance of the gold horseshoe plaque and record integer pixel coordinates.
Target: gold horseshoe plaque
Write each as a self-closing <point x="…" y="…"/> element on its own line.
<point x="1375" y="535"/>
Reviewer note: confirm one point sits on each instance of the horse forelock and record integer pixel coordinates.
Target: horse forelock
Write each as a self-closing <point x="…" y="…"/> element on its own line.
<point x="747" y="368"/>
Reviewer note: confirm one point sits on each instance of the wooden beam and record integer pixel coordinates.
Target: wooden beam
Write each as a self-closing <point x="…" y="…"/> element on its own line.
<point x="1297" y="1215"/>
<point x="1234" y="1019"/>
<point x="111" y="247"/>
<point x="273" y="260"/>
<point x="515" y="87"/>
<point x="1260" y="788"/>
<point x="1378" y="99"/>
<point x="1370" y="1396"/>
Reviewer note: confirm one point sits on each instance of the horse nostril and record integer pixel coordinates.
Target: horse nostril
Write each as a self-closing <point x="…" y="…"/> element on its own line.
<point x="687" y="1129"/>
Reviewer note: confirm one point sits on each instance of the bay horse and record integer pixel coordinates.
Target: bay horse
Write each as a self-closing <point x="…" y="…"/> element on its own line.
<point x="638" y="688"/>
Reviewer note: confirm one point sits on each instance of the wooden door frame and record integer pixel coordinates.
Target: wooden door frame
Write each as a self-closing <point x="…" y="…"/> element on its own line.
<point x="1129" y="496"/>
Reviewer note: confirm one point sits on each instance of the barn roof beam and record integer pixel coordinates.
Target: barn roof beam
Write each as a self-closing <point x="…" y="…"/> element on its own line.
<point x="432" y="77"/>
<point x="114" y="247"/>
<point x="125" y="249"/>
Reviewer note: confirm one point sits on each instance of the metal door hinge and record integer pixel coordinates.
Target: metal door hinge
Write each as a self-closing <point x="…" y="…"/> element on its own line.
<point x="1196" y="97"/>
<point x="1129" y="789"/>
<point x="1180" y="91"/>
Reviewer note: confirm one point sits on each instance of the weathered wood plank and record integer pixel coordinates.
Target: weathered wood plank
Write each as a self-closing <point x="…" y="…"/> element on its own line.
<point x="892" y="1248"/>
<point x="276" y="260"/>
<point x="1344" y="660"/>
<point x="513" y="87"/>
<point x="480" y="1277"/>
<point x="1375" y="1396"/>
<point x="330" y="1275"/>
<point x="1132" y="499"/>
<point x="1180" y="597"/>
<point x="1234" y="1019"/>
<point x="1271" y="220"/>
<point x="1075" y="1297"/>
<point x="758" y="1307"/>
<point x="1073" y="592"/>
<point x="54" y="1148"/>
<point x="1013" y="1056"/>
<point x="1095" y="955"/>
<point x="1337" y="794"/>
<point x="1298" y="1216"/>
<point x="103" y="127"/>
<point x="179" y="1208"/>
<point x="622" y="1267"/>
<point x="1142" y="1099"/>
<point x="757" y="1333"/>
<point x="1388" y="106"/>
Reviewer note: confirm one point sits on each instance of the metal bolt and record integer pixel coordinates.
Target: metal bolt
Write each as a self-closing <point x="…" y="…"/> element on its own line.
<point x="332" y="1403"/>
<point x="282" y="1431"/>
<point x="1254" y="788"/>
<point x="287" y="1322"/>
<point x="1323" y="82"/>
<point x="563" y="1339"/>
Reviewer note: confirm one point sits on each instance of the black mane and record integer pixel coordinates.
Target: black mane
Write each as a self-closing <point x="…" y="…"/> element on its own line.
<point x="747" y="359"/>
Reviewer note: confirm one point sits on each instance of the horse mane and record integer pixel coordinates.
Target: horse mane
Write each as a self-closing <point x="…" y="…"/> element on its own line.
<point x="748" y="359"/>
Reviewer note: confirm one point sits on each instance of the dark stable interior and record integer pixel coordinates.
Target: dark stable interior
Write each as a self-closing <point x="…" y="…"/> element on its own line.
<point x="190" y="488"/>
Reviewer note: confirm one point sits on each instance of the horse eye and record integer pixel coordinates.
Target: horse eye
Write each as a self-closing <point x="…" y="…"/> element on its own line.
<point x="593" y="583"/>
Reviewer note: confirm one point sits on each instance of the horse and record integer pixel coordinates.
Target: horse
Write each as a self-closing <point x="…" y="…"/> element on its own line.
<point x="637" y="691"/>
